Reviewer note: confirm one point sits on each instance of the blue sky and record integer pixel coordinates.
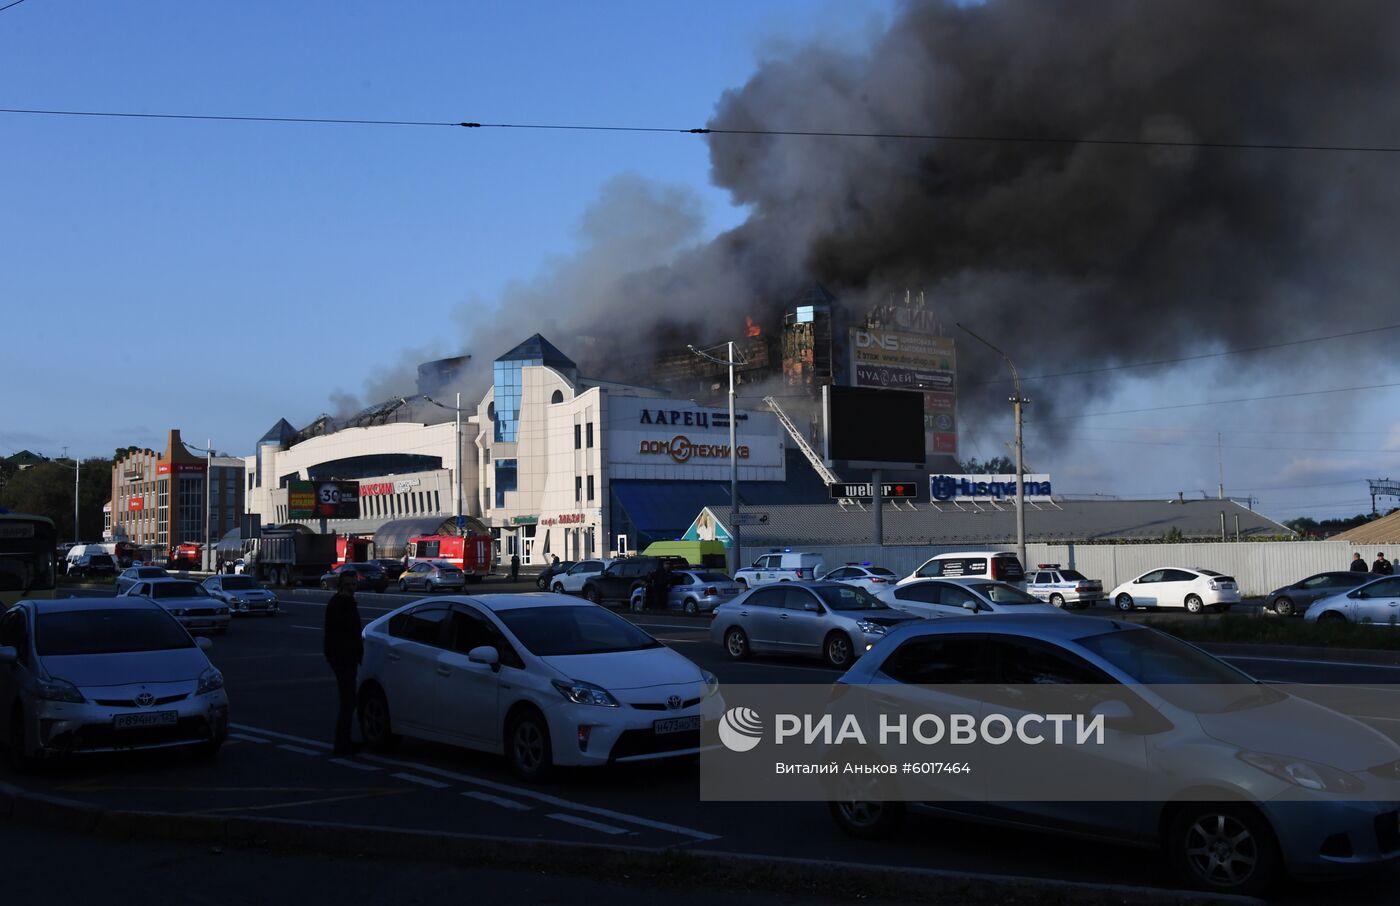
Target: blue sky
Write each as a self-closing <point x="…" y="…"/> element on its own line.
<point x="215" y="277"/>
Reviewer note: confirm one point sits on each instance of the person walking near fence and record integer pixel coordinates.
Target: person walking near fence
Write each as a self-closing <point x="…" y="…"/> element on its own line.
<point x="344" y="647"/>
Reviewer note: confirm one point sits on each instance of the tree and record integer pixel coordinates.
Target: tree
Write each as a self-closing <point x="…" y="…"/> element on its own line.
<point x="47" y="490"/>
<point x="997" y="465"/>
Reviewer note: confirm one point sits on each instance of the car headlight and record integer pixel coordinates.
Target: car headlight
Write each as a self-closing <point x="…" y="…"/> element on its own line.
<point x="870" y="628"/>
<point x="58" y="690"/>
<point x="711" y="682"/>
<point x="584" y="693"/>
<point x="237" y="600"/>
<point x="1310" y="775"/>
<point x="177" y="611"/>
<point x="209" y="680"/>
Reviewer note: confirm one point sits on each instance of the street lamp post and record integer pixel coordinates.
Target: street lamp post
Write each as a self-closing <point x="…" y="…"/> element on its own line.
<point x="730" y="362"/>
<point x="1017" y="402"/>
<point x="457" y="445"/>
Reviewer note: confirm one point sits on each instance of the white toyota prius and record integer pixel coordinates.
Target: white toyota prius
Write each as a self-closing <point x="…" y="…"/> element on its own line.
<point x="541" y="678"/>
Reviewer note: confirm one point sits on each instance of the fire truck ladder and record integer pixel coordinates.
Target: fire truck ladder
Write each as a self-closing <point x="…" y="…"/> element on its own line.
<point x="826" y="474"/>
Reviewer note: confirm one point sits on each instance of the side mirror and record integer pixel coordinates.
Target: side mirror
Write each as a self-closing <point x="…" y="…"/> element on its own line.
<point x="487" y="655"/>
<point x="970" y="605"/>
<point x="8" y="655"/>
<point x="812" y="607"/>
<point x="1115" y="713"/>
<point x="203" y="642"/>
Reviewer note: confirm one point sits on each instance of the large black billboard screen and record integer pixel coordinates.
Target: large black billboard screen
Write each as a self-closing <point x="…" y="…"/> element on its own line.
<point x="867" y="425"/>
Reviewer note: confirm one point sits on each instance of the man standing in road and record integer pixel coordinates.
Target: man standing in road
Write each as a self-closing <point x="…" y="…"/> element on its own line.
<point x="1358" y="565"/>
<point x="1382" y="566"/>
<point x="514" y="567"/>
<point x="344" y="647"/>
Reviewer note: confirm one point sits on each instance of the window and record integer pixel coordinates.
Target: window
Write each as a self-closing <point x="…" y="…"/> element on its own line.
<point x="469" y="629"/>
<point x="1178" y="575"/>
<point x="923" y="592"/>
<point x="556" y="397"/>
<point x="505" y="479"/>
<point x="767" y="597"/>
<point x="590" y="435"/>
<point x="1155" y="576"/>
<point x="578" y="489"/>
<point x="578" y="437"/>
<point x="938" y="660"/>
<point x="423" y="626"/>
<point x="844" y="572"/>
<point x="798" y="599"/>
<point x="590" y="487"/>
<point x="1023" y="662"/>
<point x="1043" y="578"/>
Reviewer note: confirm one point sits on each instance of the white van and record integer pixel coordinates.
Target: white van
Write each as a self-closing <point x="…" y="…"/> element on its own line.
<point x="1000" y="566"/>
<point x="781" y="566"/>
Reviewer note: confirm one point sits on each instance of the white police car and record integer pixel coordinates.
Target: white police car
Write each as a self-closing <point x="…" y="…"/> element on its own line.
<point x="785" y="565"/>
<point x="1063" y="587"/>
<point x="873" y="579"/>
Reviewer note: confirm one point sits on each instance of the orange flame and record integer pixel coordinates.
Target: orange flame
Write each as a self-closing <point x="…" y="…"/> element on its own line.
<point x="751" y="329"/>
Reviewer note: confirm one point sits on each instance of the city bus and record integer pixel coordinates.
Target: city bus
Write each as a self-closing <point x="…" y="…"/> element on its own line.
<point x="27" y="545"/>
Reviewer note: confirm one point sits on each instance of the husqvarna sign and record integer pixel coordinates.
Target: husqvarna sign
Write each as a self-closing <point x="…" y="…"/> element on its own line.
<point x="953" y="488"/>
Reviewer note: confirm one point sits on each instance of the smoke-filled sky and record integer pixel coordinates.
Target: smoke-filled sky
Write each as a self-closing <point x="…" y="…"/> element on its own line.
<point x="338" y="261"/>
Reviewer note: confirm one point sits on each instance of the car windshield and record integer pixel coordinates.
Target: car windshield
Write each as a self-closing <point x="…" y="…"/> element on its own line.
<point x="558" y="631"/>
<point x="1182" y="674"/>
<point x="150" y="572"/>
<point x="1001" y="593"/>
<point x="711" y="577"/>
<point x="849" y="597"/>
<point x="1207" y="572"/>
<point x="1073" y="575"/>
<point x="239" y="583"/>
<point x="880" y="571"/>
<point x="107" y="632"/>
<point x="444" y="566"/>
<point x="177" y="589"/>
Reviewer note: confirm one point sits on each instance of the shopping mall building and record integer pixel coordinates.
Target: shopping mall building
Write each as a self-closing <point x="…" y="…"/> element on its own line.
<point x="553" y="464"/>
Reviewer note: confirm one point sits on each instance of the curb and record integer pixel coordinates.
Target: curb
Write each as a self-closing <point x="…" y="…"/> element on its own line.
<point x="742" y="871"/>
<point x="1361" y="656"/>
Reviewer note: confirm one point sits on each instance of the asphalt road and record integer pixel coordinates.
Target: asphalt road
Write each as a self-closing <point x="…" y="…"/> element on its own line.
<point x="278" y="764"/>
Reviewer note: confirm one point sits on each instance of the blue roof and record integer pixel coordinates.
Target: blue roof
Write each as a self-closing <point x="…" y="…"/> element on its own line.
<point x="538" y="349"/>
<point x="281" y="433"/>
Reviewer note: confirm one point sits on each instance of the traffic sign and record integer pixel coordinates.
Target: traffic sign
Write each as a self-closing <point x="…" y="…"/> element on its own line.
<point x="461" y="522"/>
<point x="749" y="518"/>
<point x="889" y="490"/>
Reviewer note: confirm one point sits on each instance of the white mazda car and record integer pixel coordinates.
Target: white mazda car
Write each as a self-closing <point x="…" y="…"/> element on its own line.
<point x="541" y="678"/>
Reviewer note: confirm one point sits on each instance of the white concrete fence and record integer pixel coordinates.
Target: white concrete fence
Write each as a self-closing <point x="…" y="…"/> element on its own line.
<point x="1258" y="566"/>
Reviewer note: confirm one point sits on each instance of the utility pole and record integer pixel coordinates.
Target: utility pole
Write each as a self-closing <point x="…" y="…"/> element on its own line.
<point x="457" y="473"/>
<point x="1220" y="459"/>
<point x="208" y="504"/>
<point x="1017" y="402"/>
<point x="76" y="538"/>
<point x="734" y="530"/>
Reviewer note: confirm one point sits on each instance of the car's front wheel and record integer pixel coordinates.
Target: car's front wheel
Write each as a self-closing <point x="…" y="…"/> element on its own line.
<point x="1194" y="604"/>
<point x="736" y="644"/>
<point x="376" y="724"/>
<point x="558" y="588"/>
<point x="1223" y="848"/>
<point x="691" y="607"/>
<point x="868" y="820"/>
<point x="1331" y="616"/>
<point x="403" y="586"/>
<point x="527" y="746"/>
<point x="1284" y="607"/>
<point x="593" y="595"/>
<point x="1058" y="600"/>
<point x="1123" y="602"/>
<point x="838" y="650"/>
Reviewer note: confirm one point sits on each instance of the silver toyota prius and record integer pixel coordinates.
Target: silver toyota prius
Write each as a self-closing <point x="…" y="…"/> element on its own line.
<point x="83" y="675"/>
<point x="835" y="622"/>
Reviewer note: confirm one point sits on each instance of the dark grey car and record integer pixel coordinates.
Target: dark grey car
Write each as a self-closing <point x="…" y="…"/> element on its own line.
<point x="1293" y="600"/>
<point x="243" y="594"/>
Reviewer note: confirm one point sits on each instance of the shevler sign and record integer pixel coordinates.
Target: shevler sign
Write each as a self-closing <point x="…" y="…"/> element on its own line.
<point x="987" y="487"/>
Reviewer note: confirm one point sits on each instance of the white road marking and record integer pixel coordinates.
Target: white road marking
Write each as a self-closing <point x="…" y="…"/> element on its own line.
<point x="312" y="628"/>
<point x="422" y="781"/>
<point x="247" y="738"/>
<point x="347" y="763"/>
<point x="301" y="739"/>
<point x="545" y="798"/>
<point x="502" y="801"/>
<point x="591" y="825"/>
<point x="298" y="749"/>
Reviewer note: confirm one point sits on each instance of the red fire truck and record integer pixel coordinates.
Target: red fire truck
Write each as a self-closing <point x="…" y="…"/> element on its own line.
<point x="185" y="556"/>
<point x="353" y="549"/>
<point x="472" y="554"/>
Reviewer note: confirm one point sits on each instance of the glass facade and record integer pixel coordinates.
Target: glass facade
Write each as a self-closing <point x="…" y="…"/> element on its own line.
<point x="505" y="479"/>
<point x="506" y="381"/>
